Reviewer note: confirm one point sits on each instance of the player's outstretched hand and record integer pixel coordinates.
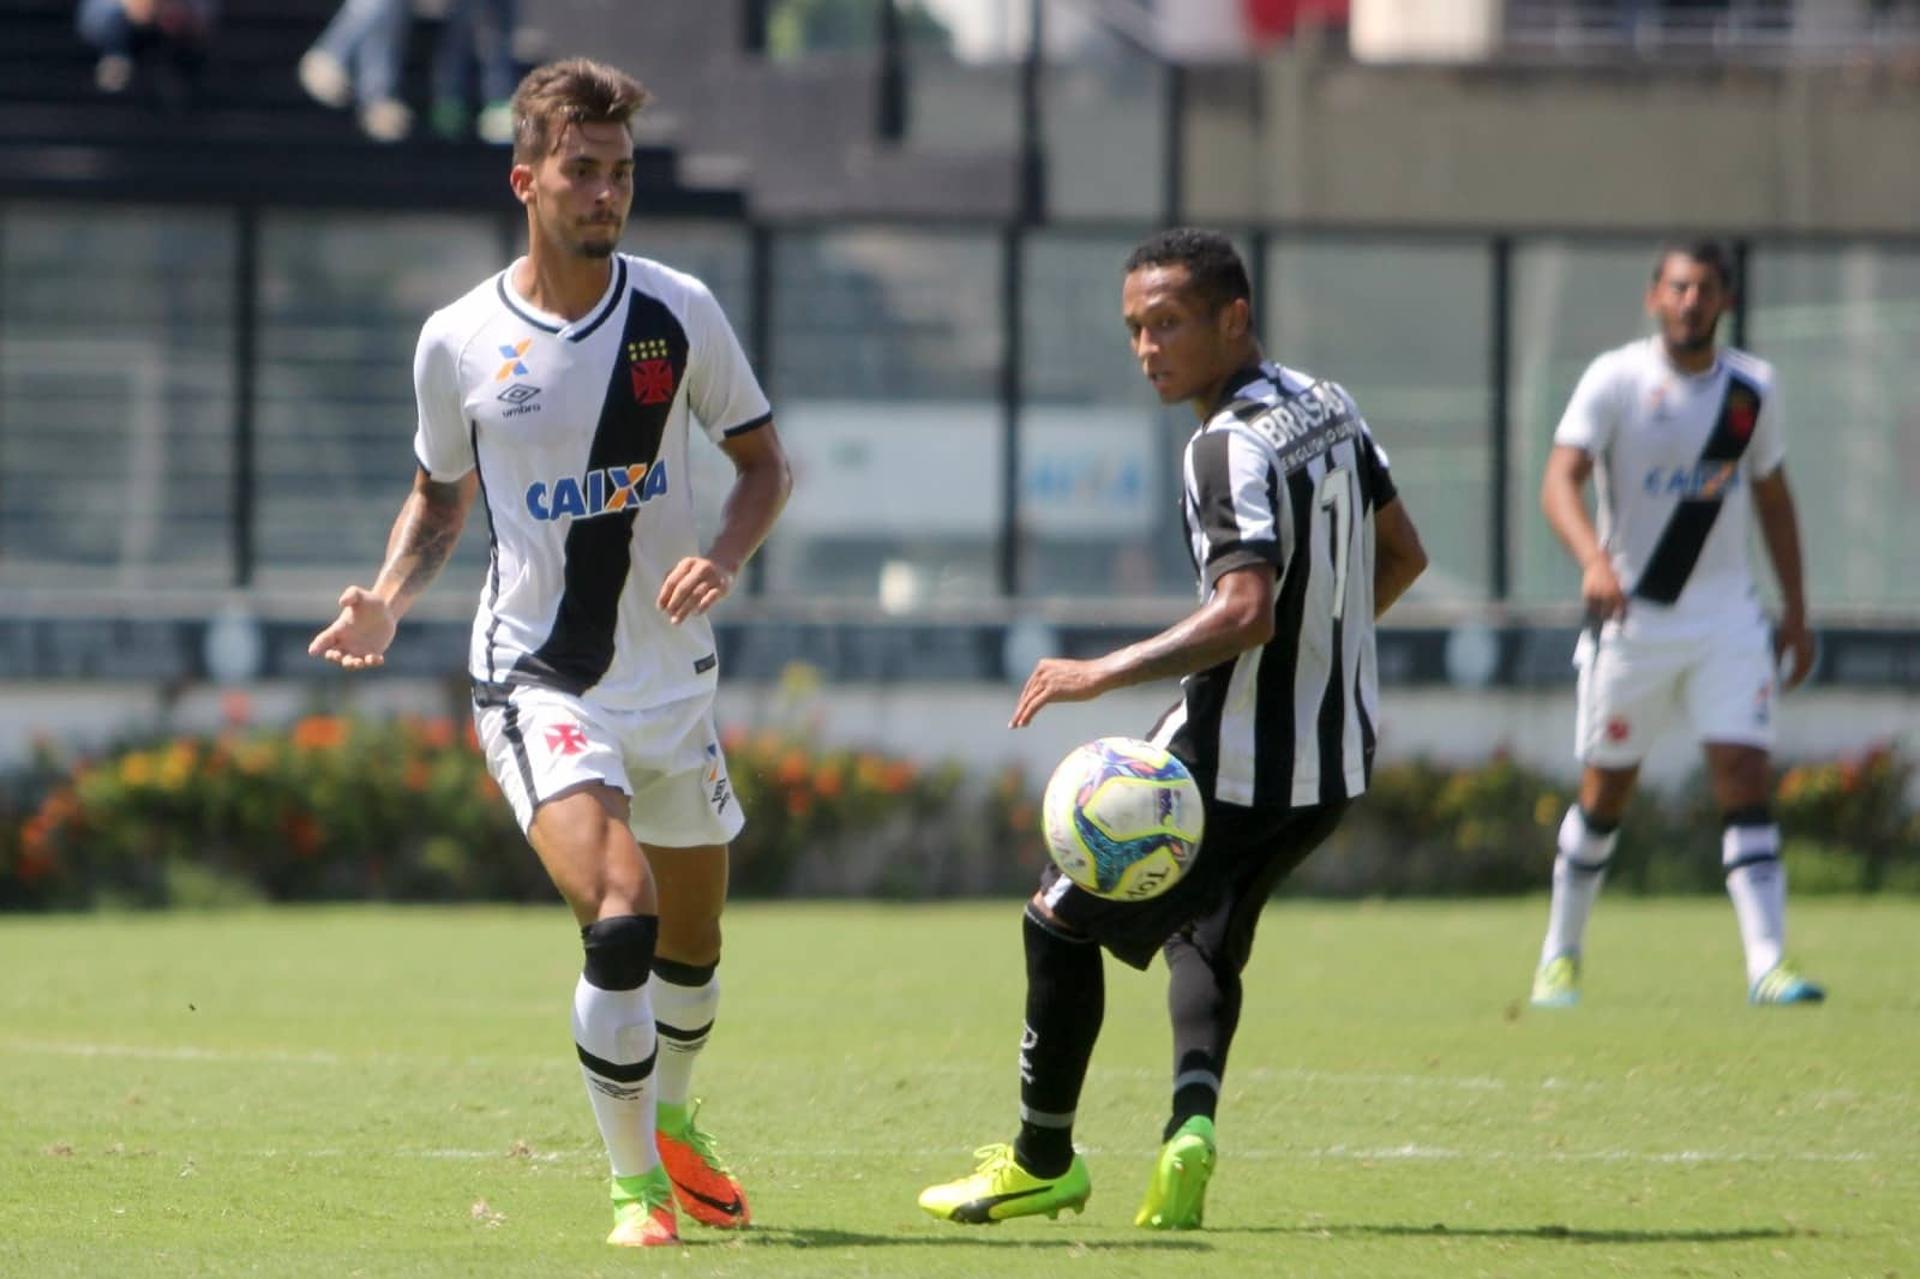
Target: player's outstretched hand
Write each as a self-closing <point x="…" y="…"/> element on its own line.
<point x="359" y="637"/>
<point x="1600" y="588"/>
<point x="1793" y="650"/>
<point x="694" y="586"/>
<point x="1057" y="679"/>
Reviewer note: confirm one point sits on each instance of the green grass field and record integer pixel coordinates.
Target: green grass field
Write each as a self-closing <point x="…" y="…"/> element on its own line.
<point x="386" y="1091"/>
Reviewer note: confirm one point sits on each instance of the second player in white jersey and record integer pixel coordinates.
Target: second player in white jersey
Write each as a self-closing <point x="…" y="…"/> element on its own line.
<point x="1675" y="457"/>
<point x="579" y="431"/>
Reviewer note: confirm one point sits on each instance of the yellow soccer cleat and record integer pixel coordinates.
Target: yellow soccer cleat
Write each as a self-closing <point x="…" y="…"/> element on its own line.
<point x="1557" y="984"/>
<point x="643" y="1211"/>
<point x="705" y="1187"/>
<point x="1177" y="1195"/>
<point x="1000" y="1188"/>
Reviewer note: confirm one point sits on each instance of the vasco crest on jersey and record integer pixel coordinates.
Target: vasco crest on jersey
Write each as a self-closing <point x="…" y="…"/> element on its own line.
<point x="651" y="370"/>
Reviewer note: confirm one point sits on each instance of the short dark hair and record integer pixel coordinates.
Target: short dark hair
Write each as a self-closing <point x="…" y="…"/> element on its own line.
<point x="1214" y="268"/>
<point x="1708" y="253"/>
<point x="572" y="91"/>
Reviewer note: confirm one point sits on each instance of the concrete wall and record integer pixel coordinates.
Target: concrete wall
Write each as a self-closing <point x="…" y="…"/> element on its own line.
<point x="1631" y="150"/>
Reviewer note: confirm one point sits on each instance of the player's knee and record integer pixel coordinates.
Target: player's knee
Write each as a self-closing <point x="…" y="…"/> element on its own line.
<point x="620" y="951"/>
<point x="1748" y="837"/>
<point x="692" y="943"/>
<point x="1587" y="842"/>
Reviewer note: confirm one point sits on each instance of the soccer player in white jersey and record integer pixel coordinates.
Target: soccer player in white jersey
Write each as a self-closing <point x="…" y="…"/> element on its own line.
<point x="1299" y="541"/>
<point x="1683" y="440"/>
<point x="560" y="391"/>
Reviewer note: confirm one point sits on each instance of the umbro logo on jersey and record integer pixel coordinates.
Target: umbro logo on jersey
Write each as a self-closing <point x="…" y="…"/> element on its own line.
<point x="1700" y="482"/>
<point x="518" y="399"/>
<point x="602" y="492"/>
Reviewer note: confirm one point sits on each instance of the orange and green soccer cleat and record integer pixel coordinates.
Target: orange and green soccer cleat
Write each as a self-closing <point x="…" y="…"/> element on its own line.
<point x="643" y="1211"/>
<point x="706" y="1188"/>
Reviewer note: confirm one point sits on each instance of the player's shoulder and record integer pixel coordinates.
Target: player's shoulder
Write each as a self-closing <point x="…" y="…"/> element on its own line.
<point x="455" y="325"/>
<point x="669" y="284"/>
<point x="1629" y="362"/>
<point x="1748" y="367"/>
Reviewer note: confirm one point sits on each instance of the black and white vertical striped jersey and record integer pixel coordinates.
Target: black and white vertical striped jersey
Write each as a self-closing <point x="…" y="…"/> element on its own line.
<point x="579" y="431"/>
<point x="1286" y="474"/>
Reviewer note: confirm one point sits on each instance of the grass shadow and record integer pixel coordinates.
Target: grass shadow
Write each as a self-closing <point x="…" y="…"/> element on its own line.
<point x="1551" y="1231"/>
<point x="834" y="1237"/>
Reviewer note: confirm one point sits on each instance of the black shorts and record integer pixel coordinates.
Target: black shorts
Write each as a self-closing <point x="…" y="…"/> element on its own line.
<point x="1244" y="853"/>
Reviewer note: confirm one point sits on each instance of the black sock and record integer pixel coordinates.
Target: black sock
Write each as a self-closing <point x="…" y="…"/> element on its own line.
<point x="1066" y="999"/>
<point x="1203" y="996"/>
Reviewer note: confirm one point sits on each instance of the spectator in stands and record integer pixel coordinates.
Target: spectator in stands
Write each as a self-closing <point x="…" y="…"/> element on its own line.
<point x="357" y="60"/>
<point x="123" y="30"/>
<point x="453" y="62"/>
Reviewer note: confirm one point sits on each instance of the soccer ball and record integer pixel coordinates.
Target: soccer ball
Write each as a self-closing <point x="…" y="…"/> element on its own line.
<point x="1122" y="818"/>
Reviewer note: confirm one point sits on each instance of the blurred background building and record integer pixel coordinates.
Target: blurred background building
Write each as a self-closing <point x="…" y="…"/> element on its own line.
<point x="915" y="213"/>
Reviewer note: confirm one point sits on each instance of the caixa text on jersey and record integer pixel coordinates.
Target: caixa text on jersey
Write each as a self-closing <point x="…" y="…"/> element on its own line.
<point x="600" y="492"/>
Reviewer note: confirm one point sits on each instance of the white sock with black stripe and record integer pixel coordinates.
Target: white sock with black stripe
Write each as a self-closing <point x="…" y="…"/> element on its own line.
<point x="613" y="1035"/>
<point x="1757" y="883"/>
<point x="1578" y="871"/>
<point x="685" y="999"/>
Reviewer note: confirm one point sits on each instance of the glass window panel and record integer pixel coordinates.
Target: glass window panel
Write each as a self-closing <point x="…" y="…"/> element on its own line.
<point x="1099" y="456"/>
<point x="1404" y="327"/>
<point x="1105" y="126"/>
<point x="1571" y="302"/>
<point x="1841" y="325"/>
<point x="116" y="396"/>
<point x="342" y="299"/>
<point x="886" y="353"/>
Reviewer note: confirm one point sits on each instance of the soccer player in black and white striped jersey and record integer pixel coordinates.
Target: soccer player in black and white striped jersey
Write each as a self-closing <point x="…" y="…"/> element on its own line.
<point x="560" y="393"/>
<point x="1683" y="441"/>
<point x="1299" y="541"/>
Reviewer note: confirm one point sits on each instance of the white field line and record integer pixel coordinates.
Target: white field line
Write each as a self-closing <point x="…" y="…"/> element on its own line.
<point x="1408" y="1153"/>
<point x="1255" y="1074"/>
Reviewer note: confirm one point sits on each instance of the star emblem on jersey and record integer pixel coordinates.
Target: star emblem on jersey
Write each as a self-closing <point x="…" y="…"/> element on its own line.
<point x="651" y="369"/>
<point x="512" y="365"/>
<point x="1741" y="414"/>
<point x="566" y="739"/>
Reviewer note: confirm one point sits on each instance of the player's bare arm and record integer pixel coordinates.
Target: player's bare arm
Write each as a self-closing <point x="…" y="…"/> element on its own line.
<point x="1562" y="499"/>
<point x="1780" y="529"/>
<point x="424" y="535"/>
<point x="1398" y="557"/>
<point x="1237" y="616"/>
<point x="762" y="481"/>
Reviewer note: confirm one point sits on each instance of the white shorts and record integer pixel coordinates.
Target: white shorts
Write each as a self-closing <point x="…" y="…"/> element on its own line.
<point x="1631" y="685"/>
<point x="667" y="759"/>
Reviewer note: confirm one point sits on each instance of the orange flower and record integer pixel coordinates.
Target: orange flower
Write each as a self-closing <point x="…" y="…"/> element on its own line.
<point x="896" y="777"/>
<point x="799" y="803"/>
<point x="472" y="737"/>
<point x="320" y="733"/>
<point x="437" y="733"/>
<point x="793" y="768"/>
<point x="828" y="781"/>
<point x="733" y="738"/>
<point x="416" y="775"/>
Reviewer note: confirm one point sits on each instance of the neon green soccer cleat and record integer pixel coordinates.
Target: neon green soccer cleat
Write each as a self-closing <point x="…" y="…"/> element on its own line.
<point x="1782" y="984"/>
<point x="643" y="1211"/>
<point x="1557" y="984"/>
<point x="1000" y="1188"/>
<point x="1177" y="1195"/>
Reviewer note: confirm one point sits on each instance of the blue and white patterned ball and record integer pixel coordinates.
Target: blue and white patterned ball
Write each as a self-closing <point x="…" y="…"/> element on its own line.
<point x="1122" y="818"/>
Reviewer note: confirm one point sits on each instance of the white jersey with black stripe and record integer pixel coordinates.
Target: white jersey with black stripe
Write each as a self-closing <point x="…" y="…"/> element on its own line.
<point x="1675" y="455"/>
<point x="1287" y="474"/>
<point x="579" y="432"/>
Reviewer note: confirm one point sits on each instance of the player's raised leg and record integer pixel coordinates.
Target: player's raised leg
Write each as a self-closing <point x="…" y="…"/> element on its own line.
<point x="686" y="1000"/>
<point x="1039" y="1172"/>
<point x="583" y="841"/>
<point x="1756" y="879"/>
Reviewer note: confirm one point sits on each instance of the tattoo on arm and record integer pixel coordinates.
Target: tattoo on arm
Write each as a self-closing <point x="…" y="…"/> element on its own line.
<point x="424" y="537"/>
